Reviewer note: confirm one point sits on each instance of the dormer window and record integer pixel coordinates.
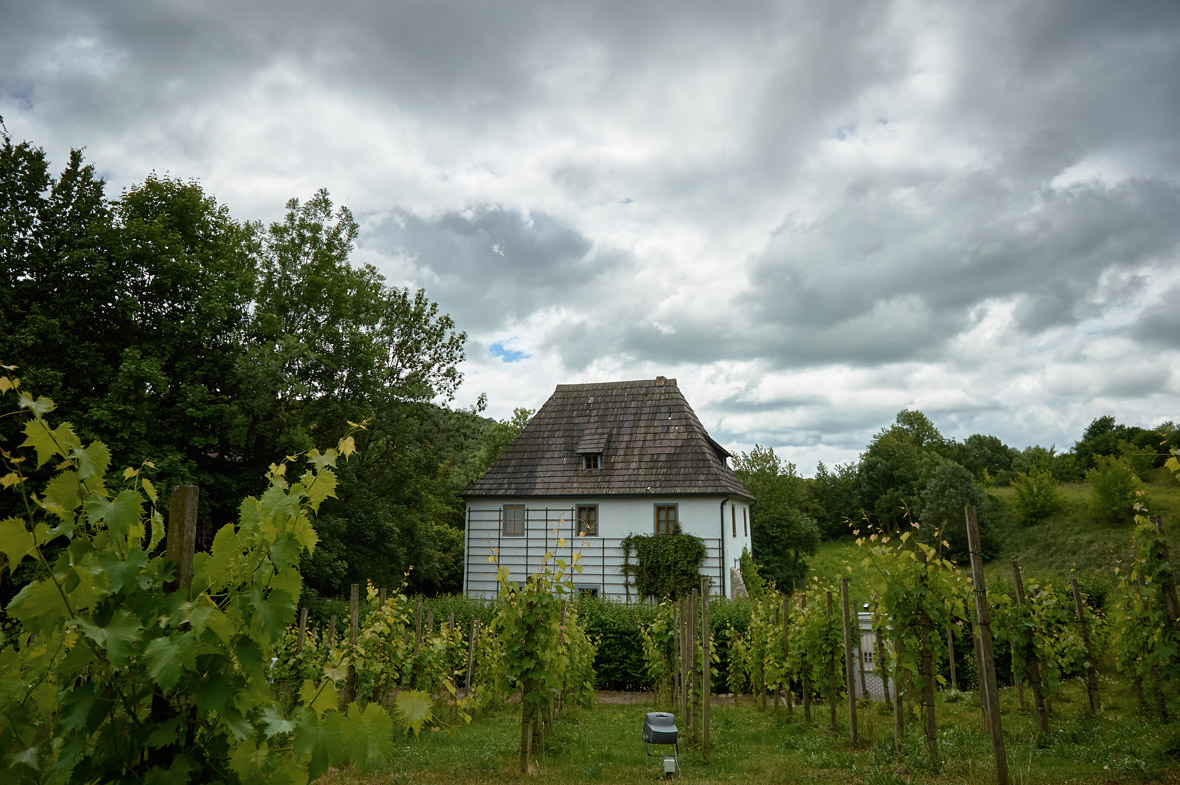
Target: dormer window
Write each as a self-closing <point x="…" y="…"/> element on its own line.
<point x="591" y="460"/>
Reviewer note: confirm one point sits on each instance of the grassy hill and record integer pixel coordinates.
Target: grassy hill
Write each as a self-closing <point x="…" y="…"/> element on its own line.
<point x="1069" y="542"/>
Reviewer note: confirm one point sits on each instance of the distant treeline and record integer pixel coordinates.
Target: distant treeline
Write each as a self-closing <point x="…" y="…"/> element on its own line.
<point x="910" y="471"/>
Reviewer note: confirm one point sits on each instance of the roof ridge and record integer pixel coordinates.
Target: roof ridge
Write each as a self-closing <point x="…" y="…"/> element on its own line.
<point x="646" y="433"/>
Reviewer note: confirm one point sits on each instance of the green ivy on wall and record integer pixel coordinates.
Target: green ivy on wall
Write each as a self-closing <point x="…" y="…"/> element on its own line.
<point x="665" y="565"/>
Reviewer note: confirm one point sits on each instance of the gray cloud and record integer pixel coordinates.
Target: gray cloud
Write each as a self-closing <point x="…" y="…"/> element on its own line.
<point x="490" y="264"/>
<point x="1159" y="324"/>
<point x="870" y="279"/>
<point x="968" y="209"/>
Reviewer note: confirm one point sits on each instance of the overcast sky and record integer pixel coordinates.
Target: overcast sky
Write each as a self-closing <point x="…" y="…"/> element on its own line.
<point x="812" y="214"/>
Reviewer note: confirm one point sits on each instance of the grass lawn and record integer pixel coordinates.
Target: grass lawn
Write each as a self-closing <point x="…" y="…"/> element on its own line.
<point x="750" y="745"/>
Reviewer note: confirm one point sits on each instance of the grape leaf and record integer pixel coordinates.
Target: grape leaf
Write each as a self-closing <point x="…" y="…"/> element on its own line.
<point x="118" y="638"/>
<point x="305" y="534"/>
<point x="40" y="438"/>
<point x="271" y="613"/>
<point x="168" y="657"/>
<point x="26" y="757"/>
<point x="76" y="704"/>
<point x="212" y="692"/>
<point x="93" y="461"/>
<point x="277" y="504"/>
<point x="319" y="700"/>
<point x="120" y="515"/>
<point x="366" y="734"/>
<point x="319" y="487"/>
<point x="39" y="407"/>
<point x="123" y="574"/>
<point x="320" y="461"/>
<point x="16" y="541"/>
<point x="178" y="773"/>
<point x="248" y="761"/>
<point x="236" y="722"/>
<point x="157" y="530"/>
<point x="274" y="723"/>
<point x="149" y="489"/>
<point x="313" y="740"/>
<point x="39" y="606"/>
<point x="413" y="708"/>
<point x="337" y="673"/>
<point x="61" y="494"/>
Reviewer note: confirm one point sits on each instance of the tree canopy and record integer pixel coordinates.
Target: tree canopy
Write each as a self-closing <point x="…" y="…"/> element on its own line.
<point x="211" y="347"/>
<point x="783" y="534"/>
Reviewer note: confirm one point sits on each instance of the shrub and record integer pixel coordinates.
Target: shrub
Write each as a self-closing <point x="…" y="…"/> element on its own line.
<point x="618" y="662"/>
<point x="753" y="580"/>
<point x="1036" y="495"/>
<point x="1113" y="489"/>
<point x="949" y="488"/>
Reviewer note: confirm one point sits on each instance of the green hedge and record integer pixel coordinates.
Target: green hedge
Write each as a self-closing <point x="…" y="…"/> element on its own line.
<point x="613" y="625"/>
<point x="618" y="664"/>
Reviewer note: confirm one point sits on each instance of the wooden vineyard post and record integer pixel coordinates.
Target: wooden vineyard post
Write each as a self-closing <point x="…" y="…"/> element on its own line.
<point x="898" y="706"/>
<point x="471" y="654"/>
<point x="179" y="548"/>
<point x="860" y="656"/>
<point x="1017" y="681"/>
<point x="354" y="614"/>
<point x="928" y="675"/>
<point x="761" y="685"/>
<point x="694" y="694"/>
<point x="525" y="726"/>
<point x="849" y="668"/>
<point x="182" y="535"/>
<point x="354" y="619"/>
<point x="778" y="690"/>
<point x="418" y="629"/>
<point x="1171" y="601"/>
<point x="455" y="693"/>
<point x="676" y="646"/>
<point x="685" y="683"/>
<point x="706" y="668"/>
<point x="1034" y="665"/>
<point x="558" y="704"/>
<point x="786" y="651"/>
<point x="879" y="641"/>
<point x="427" y="636"/>
<point x="1091" y="660"/>
<point x="986" y="666"/>
<point x="806" y="679"/>
<point x="1161" y="702"/>
<point x="831" y="674"/>
<point x="382" y="597"/>
<point x="417" y="642"/>
<point x="979" y="680"/>
<point x="950" y="652"/>
<point x="302" y="629"/>
<point x="331" y="630"/>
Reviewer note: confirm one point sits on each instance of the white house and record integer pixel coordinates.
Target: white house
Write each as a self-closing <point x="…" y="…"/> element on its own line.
<point x="596" y="463"/>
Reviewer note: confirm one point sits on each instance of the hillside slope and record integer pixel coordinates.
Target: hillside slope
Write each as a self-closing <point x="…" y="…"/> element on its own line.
<point x="1069" y="542"/>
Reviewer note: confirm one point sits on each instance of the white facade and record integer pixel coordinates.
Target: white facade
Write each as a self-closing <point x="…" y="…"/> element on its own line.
<point x="722" y="522"/>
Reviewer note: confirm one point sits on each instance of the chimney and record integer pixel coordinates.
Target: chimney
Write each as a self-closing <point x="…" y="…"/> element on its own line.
<point x="660" y="381"/>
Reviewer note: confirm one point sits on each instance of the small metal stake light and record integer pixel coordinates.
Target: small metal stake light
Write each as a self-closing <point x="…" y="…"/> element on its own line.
<point x="659" y="727"/>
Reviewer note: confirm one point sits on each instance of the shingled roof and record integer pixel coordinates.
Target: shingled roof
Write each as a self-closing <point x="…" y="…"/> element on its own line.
<point x="650" y="440"/>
